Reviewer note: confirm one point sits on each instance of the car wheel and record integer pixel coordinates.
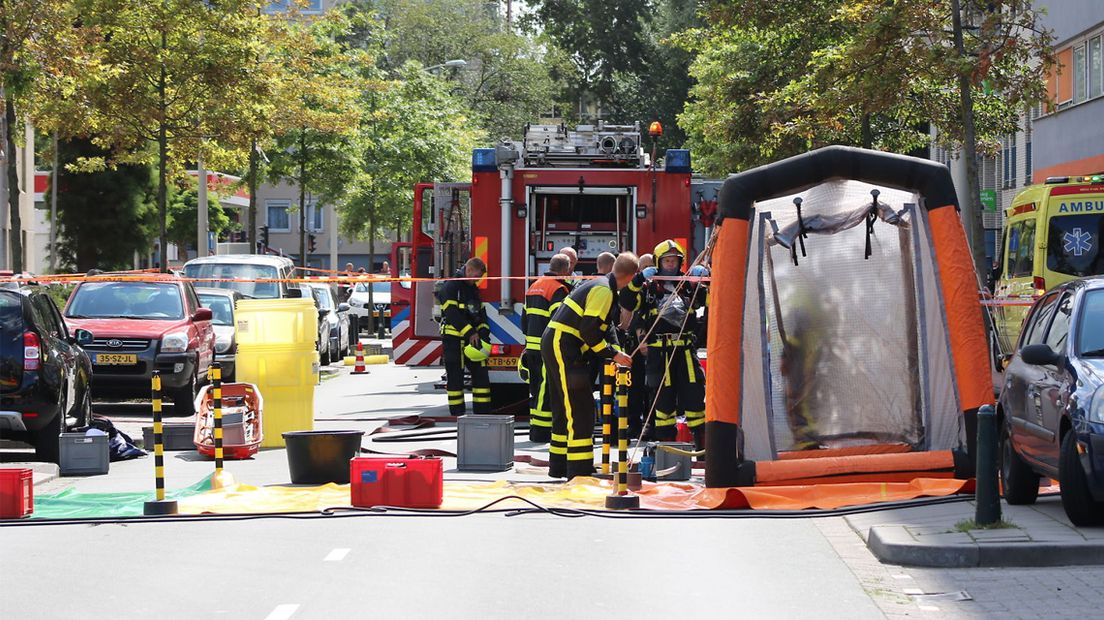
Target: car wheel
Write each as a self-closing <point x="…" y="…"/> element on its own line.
<point x="1079" y="504"/>
<point x="46" y="440"/>
<point x="1019" y="483"/>
<point x="184" y="398"/>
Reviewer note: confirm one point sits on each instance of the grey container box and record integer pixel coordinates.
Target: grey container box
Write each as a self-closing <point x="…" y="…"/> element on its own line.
<point x="667" y="460"/>
<point x="485" y="443"/>
<point x="175" y="436"/>
<point x="83" y="455"/>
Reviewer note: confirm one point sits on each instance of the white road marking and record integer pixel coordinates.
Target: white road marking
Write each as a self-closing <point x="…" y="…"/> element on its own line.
<point x="283" y="612"/>
<point x="336" y="555"/>
<point x="912" y="591"/>
<point x="902" y="576"/>
<point x="928" y="608"/>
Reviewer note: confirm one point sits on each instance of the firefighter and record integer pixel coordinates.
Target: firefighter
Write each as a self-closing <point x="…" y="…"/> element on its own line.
<point x="605" y="263"/>
<point x="541" y="301"/>
<point x="581" y="330"/>
<point x="672" y="366"/>
<point x="465" y="338"/>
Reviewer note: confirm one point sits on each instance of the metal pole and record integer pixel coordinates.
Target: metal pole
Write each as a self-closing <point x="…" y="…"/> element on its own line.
<point x="201" y="208"/>
<point x="160" y="505"/>
<point x="987" y="495"/>
<point x="53" y="207"/>
<point x="621" y="499"/>
<point x="608" y="371"/>
<point x="216" y="393"/>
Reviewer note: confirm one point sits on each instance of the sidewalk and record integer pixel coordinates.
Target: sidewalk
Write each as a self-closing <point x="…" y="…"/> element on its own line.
<point x="931" y="536"/>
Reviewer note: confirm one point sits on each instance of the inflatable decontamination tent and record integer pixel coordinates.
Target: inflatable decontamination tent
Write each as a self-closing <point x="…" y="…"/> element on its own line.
<point x="845" y="331"/>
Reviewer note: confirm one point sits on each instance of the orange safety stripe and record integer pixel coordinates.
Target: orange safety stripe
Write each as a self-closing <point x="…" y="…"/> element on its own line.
<point x="481" y="253"/>
<point x="969" y="346"/>
<point x="725" y="338"/>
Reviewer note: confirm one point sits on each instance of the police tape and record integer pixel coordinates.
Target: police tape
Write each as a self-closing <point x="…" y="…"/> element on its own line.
<point x="154" y="276"/>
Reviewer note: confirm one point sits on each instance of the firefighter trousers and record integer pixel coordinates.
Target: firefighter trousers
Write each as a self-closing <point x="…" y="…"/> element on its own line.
<point x="571" y="394"/>
<point x="674" y="370"/>
<point x="540" y="409"/>
<point x="453" y="352"/>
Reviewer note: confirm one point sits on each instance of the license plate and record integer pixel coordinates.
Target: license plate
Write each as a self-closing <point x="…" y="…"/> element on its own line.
<point x="502" y="362"/>
<point x="115" y="359"/>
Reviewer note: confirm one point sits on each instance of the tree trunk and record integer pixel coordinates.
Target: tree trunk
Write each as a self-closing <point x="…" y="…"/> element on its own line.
<point x="867" y="133"/>
<point x="302" y="202"/>
<point x="971" y="203"/>
<point x="162" y="160"/>
<point x="16" y="232"/>
<point x="251" y="219"/>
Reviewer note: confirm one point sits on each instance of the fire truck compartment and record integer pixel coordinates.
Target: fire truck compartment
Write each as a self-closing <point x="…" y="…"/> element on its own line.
<point x="590" y="219"/>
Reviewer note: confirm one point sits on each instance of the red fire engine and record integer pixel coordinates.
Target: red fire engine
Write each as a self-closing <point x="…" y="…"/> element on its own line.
<point x="593" y="189"/>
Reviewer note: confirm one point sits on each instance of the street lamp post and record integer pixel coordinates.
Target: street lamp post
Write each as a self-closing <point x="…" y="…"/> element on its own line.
<point x="450" y="64"/>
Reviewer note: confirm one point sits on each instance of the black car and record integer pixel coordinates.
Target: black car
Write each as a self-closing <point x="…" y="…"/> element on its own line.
<point x="44" y="373"/>
<point x="1052" y="404"/>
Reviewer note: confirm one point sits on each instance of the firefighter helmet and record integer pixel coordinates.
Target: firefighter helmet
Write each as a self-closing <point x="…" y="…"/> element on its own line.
<point x="478" y="354"/>
<point x="669" y="248"/>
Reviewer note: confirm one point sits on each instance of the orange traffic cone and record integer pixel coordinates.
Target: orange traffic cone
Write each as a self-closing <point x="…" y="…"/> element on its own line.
<point x="359" y="368"/>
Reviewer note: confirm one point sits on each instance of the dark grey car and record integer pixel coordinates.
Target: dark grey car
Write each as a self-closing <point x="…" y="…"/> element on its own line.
<point x="1052" y="405"/>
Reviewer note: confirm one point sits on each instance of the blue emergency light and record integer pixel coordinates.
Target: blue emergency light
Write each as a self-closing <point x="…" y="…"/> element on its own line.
<point x="483" y="160"/>
<point x="677" y="160"/>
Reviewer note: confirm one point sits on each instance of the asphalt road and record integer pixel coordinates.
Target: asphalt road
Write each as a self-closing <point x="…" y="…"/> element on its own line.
<point x="485" y="566"/>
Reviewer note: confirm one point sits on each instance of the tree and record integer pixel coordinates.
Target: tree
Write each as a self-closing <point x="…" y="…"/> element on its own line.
<point x="108" y="204"/>
<point x="418" y="132"/>
<point x="35" y="36"/>
<point x="180" y="74"/>
<point x="508" y="80"/>
<point x="317" y="152"/>
<point x="183" y="212"/>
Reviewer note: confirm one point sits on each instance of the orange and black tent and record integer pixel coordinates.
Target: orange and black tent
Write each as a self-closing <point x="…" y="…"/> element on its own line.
<point x="845" y="337"/>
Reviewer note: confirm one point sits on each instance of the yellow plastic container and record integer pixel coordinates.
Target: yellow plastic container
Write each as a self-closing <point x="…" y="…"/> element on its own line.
<point x="276" y="322"/>
<point x="286" y="379"/>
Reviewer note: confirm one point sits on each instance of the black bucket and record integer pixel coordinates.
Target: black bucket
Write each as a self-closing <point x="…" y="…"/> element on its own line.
<point x="318" y="457"/>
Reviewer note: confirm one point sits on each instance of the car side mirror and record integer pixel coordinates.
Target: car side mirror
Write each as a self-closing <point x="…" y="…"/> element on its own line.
<point x="294" y="292"/>
<point x="343" y="307"/>
<point x="322" y="312"/>
<point x="82" y="337"/>
<point x="203" y="314"/>
<point x="1039" y="355"/>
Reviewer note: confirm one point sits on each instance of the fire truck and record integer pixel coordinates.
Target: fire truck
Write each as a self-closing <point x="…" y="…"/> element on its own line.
<point x="593" y="188"/>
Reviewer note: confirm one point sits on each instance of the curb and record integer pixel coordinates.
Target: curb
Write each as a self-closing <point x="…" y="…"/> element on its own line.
<point x="892" y="544"/>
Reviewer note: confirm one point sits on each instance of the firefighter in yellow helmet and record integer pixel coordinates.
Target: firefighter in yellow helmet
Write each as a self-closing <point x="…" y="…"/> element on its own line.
<point x="581" y="330"/>
<point x="672" y="368"/>
<point x="465" y="338"/>
<point x="541" y="301"/>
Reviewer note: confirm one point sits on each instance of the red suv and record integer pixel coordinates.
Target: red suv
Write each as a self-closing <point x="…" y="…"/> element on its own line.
<point x="142" y="326"/>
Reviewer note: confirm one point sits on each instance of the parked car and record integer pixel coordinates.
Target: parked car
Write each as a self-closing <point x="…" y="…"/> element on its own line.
<point x="44" y="372"/>
<point x="246" y="267"/>
<point x="1052" y="406"/>
<point x="138" y="327"/>
<point x="335" y="335"/>
<point x="361" y="308"/>
<point x="222" y="303"/>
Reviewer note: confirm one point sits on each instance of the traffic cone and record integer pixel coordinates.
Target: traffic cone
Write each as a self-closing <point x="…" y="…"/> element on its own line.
<point x="359" y="368"/>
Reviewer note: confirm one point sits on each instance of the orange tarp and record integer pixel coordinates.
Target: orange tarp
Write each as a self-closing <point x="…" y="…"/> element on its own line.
<point x="881" y="448"/>
<point x="722" y="378"/>
<point x="913" y="463"/>
<point x="825" y="496"/>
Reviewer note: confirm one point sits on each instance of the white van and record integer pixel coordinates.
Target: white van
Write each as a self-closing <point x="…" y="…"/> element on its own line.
<point x="249" y="267"/>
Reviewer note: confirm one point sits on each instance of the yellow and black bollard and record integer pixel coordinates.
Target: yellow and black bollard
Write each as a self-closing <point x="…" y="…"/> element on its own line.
<point x="621" y="498"/>
<point x="160" y="505"/>
<point x="216" y="393"/>
<point x="608" y="371"/>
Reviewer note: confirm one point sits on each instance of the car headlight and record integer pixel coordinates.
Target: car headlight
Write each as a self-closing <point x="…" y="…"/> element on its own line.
<point x="1096" y="407"/>
<point x="176" y="342"/>
<point x="222" y="345"/>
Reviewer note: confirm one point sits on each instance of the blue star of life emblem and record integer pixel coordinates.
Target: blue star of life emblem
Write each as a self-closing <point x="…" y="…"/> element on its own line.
<point x="1077" y="242"/>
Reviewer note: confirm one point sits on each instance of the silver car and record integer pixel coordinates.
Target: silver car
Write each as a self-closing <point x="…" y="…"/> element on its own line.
<point x="222" y="301"/>
<point x="335" y="336"/>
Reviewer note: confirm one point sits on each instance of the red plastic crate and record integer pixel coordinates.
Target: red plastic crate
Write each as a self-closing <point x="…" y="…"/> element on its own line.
<point x="389" y="481"/>
<point x="16" y="493"/>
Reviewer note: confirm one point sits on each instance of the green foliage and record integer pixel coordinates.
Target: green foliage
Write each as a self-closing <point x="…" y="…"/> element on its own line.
<point x="183" y="222"/>
<point x="104" y="216"/>
<point x="776" y="79"/>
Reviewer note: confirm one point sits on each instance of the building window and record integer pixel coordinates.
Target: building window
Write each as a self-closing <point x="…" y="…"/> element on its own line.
<point x="1012" y="165"/>
<point x="316" y="217"/>
<point x="1095" y="67"/>
<point x="1005" y="159"/>
<point x="1080" y="73"/>
<point x="278" y="215"/>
